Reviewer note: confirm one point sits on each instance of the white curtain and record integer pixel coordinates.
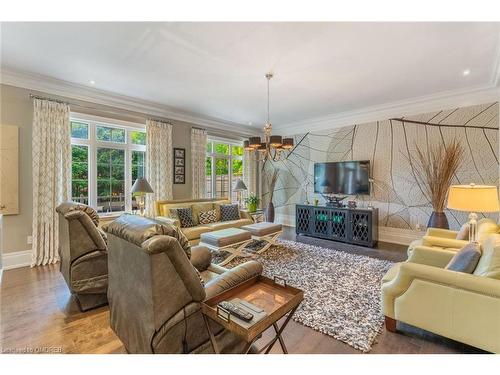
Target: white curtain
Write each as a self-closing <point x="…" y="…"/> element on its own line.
<point x="51" y="162"/>
<point x="198" y="156"/>
<point x="158" y="162"/>
<point x="250" y="166"/>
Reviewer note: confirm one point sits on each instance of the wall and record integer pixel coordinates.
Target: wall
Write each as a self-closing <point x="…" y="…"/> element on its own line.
<point x="16" y="109"/>
<point x="388" y="144"/>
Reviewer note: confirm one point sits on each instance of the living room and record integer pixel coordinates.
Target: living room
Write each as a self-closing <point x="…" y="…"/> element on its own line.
<point x="303" y="187"/>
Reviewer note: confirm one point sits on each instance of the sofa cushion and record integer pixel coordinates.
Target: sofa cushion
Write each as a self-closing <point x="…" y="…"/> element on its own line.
<point x="228" y="224"/>
<point x="463" y="233"/>
<point x="489" y="264"/>
<point x="195" y="232"/>
<point x="465" y="260"/>
<point x="207" y="217"/>
<point x="229" y="212"/>
<point x="185" y="216"/>
<point x="200" y="207"/>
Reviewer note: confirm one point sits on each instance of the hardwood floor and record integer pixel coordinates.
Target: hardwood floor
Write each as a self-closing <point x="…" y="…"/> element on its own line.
<point x="38" y="314"/>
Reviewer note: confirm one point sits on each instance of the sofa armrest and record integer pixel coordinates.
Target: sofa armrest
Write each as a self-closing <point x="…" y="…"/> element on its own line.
<point x="201" y="258"/>
<point x="431" y="256"/>
<point x="446" y="243"/>
<point x="168" y="220"/>
<point x="443" y="233"/>
<point x="245" y="215"/>
<point x="232" y="277"/>
<point x="410" y="272"/>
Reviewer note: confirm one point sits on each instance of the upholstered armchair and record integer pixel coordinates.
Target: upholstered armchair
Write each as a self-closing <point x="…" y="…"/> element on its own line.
<point x="155" y="291"/>
<point x="461" y="306"/>
<point x="446" y="239"/>
<point x="83" y="253"/>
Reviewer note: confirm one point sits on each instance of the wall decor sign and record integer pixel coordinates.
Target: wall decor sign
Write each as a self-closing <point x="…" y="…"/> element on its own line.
<point x="179" y="165"/>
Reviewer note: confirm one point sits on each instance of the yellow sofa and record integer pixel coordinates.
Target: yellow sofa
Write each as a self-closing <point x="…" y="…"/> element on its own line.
<point x="162" y="213"/>
<point x="463" y="307"/>
<point x="446" y="239"/>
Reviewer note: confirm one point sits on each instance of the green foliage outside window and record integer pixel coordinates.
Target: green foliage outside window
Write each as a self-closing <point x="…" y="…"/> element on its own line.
<point x="79" y="130"/>
<point x="104" y="133"/>
<point x="138" y="137"/>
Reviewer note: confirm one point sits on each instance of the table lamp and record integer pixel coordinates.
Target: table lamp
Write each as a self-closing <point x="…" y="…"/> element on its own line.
<point x="473" y="198"/>
<point x="239" y="187"/>
<point x="140" y="188"/>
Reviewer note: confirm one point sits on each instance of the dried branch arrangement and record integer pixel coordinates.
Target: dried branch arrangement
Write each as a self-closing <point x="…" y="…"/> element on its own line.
<point x="435" y="169"/>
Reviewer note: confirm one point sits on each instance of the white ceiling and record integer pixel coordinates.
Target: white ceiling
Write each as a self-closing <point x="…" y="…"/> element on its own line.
<point x="217" y="69"/>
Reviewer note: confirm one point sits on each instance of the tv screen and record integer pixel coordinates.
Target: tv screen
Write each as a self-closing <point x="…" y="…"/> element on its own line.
<point x="346" y="177"/>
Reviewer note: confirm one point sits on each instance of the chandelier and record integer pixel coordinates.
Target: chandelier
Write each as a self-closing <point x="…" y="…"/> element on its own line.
<point x="273" y="146"/>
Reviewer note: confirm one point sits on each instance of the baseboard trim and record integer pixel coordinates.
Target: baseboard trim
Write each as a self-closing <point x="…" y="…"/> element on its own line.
<point x="385" y="234"/>
<point x="16" y="259"/>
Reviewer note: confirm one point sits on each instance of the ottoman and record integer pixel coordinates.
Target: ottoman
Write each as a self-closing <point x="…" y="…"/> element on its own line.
<point x="226" y="239"/>
<point x="264" y="231"/>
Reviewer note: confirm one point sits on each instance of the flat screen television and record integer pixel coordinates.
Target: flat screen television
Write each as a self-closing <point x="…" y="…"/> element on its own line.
<point x="343" y="178"/>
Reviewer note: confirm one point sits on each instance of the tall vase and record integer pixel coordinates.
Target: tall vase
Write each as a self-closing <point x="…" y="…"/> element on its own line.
<point x="438" y="220"/>
<point x="270" y="212"/>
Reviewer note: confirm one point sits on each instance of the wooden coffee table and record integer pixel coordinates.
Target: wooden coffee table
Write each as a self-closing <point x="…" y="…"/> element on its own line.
<point x="275" y="297"/>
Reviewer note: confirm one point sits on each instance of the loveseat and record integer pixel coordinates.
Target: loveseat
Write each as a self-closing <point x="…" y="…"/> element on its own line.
<point x="461" y="306"/>
<point x="164" y="209"/>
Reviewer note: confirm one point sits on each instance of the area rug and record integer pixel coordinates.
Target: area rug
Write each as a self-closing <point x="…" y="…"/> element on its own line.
<point x="341" y="290"/>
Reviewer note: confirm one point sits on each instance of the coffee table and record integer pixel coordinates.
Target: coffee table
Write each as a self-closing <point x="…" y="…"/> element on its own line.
<point x="275" y="297"/>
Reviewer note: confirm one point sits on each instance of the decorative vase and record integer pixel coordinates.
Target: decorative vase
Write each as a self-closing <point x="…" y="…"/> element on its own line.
<point x="270" y="213"/>
<point x="438" y="220"/>
<point x="252" y="207"/>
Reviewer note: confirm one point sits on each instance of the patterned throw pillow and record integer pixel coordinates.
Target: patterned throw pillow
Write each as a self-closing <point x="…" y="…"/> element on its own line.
<point x="229" y="212"/>
<point x="185" y="216"/>
<point x="207" y="217"/>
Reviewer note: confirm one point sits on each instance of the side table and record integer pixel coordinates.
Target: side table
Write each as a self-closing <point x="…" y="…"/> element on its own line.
<point x="275" y="297"/>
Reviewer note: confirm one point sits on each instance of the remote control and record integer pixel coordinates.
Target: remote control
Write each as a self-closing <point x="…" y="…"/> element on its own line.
<point x="235" y="310"/>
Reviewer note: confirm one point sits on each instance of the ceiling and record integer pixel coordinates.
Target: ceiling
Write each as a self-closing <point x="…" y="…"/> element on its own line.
<point x="217" y="69"/>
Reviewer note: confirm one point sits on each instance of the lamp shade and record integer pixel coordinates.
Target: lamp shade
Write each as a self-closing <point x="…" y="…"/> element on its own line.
<point x="141" y="185"/>
<point x="473" y="198"/>
<point x="240" y="185"/>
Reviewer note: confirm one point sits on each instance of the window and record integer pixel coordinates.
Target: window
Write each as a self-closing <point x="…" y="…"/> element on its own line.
<point x="106" y="160"/>
<point x="224" y="166"/>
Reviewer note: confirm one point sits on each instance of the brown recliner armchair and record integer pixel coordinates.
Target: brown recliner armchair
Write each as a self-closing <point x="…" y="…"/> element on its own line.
<point x="83" y="253"/>
<point x="155" y="293"/>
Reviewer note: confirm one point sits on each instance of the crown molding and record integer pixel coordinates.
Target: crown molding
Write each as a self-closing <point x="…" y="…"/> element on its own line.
<point x="414" y="106"/>
<point x="73" y="91"/>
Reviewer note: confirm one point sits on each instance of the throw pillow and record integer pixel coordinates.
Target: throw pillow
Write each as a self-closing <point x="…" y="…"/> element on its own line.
<point x="463" y="233"/>
<point x="466" y="259"/>
<point x="229" y="212"/>
<point x="185" y="217"/>
<point x="207" y="217"/>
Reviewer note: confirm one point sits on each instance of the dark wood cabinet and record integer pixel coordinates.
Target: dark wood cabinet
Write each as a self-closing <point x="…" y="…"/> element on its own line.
<point x="352" y="225"/>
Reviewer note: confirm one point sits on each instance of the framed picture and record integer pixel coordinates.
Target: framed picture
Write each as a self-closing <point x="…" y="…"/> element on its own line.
<point x="179" y="165"/>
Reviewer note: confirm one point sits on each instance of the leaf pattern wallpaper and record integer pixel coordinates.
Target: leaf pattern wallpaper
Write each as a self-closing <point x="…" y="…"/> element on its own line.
<point x="387" y="144"/>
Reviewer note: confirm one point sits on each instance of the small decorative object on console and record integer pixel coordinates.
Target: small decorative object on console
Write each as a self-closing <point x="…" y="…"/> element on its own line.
<point x="351" y="204"/>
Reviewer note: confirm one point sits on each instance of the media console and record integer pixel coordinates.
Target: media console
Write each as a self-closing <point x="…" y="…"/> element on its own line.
<point x="351" y="225"/>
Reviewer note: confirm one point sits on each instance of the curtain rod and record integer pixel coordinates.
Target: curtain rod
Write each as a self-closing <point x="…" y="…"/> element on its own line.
<point x="32" y="96"/>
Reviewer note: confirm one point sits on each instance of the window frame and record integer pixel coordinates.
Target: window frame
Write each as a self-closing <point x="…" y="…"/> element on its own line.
<point x="93" y="144"/>
<point x="229" y="156"/>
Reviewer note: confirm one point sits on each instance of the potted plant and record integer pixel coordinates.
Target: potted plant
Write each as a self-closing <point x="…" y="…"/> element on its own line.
<point x="252" y="203"/>
<point x="434" y="171"/>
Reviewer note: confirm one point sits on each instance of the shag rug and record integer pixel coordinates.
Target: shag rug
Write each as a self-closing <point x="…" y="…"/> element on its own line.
<point x="341" y="290"/>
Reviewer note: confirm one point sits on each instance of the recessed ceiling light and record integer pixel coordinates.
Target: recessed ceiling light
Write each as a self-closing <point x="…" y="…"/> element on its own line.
<point x="92" y="82"/>
<point x="466" y="72"/>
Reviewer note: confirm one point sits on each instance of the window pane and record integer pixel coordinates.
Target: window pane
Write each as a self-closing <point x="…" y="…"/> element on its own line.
<point x="237" y="175"/>
<point x="208" y="180"/>
<point x="138" y="170"/>
<point x="237" y="150"/>
<point x="209" y="147"/>
<point x="110" y="180"/>
<point x="220" y="148"/>
<point x="221" y="178"/>
<point x="138" y="137"/>
<point x="79" y="174"/>
<point x="104" y="133"/>
<point x="79" y="130"/>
